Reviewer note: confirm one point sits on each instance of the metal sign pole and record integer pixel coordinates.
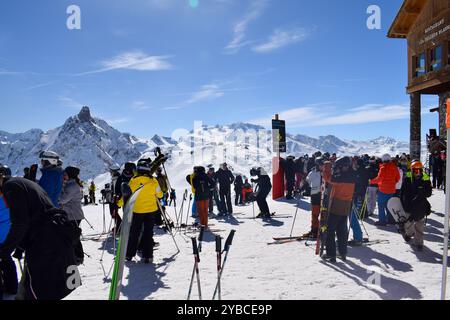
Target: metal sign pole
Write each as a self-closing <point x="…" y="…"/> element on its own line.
<point x="447" y="207"/>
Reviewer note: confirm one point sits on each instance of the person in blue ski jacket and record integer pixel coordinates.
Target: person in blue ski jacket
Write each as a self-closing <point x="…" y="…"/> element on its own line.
<point x="52" y="176"/>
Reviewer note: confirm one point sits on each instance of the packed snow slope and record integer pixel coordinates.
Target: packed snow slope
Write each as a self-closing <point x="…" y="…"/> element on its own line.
<point x="93" y="145"/>
<point x="258" y="269"/>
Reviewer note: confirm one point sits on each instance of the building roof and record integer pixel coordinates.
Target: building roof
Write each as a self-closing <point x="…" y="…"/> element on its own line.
<point x="406" y="18"/>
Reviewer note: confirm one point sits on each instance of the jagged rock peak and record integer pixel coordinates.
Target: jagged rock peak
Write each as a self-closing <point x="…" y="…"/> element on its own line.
<point x="85" y="114"/>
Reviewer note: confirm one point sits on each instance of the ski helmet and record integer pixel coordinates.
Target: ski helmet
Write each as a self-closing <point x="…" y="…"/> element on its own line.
<point x="255" y="172"/>
<point x="130" y="167"/>
<point x="51" y="157"/>
<point x="416" y="165"/>
<point x="5" y="171"/>
<point x="386" y="157"/>
<point x="144" y="166"/>
<point x="114" y="168"/>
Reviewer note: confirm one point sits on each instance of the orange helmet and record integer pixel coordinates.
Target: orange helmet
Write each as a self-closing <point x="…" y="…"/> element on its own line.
<point x="416" y="165"/>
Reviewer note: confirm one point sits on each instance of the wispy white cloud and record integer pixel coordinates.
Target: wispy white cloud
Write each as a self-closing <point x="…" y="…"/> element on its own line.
<point x="69" y="102"/>
<point x="140" y="105"/>
<point x="281" y="38"/>
<point x="207" y="92"/>
<point x="115" y="121"/>
<point x="240" y="28"/>
<point x="133" y="60"/>
<point x="320" y="116"/>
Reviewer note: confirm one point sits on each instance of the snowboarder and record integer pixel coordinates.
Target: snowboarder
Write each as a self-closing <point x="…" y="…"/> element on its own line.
<point x="44" y="234"/>
<point x="52" y="175"/>
<point x="386" y="180"/>
<point x="225" y="179"/>
<point x="415" y="191"/>
<point x="343" y="187"/>
<point x="262" y="190"/>
<point x="70" y="202"/>
<point x="145" y="211"/>
<point x="202" y="184"/>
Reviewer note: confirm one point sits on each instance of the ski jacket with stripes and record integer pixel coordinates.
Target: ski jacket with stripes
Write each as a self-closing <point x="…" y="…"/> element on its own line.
<point x="147" y="199"/>
<point x="387" y="178"/>
<point x="343" y="188"/>
<point x="5" y="222"/>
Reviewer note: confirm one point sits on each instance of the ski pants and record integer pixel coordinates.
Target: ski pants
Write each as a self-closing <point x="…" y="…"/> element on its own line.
<point x="371" y="200"/>
<point x="354" y="223"/>
<point x="146" y="221"/>
<point x="298" y="180"/>
<point x="213" y="195"/>
<point x="262" y="203"/>
<point x="415" y="229"/>
<point x="114" y="211"/>
<point x="8" y="276"/>
<point x="225" y="201"/>
<point x="383" y="199"/>
<point x="315" y="210"/>
<point x="194" y="208"/>
<point x="290" y="183"/>
<point x="337" y="226"/>
<point x="238" y="198"/>
<point x="202" y="209"/>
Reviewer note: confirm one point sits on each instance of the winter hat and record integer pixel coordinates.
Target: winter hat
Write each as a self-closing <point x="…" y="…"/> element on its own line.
<point x="386" y="158"/>
<point x="72" y="172"/>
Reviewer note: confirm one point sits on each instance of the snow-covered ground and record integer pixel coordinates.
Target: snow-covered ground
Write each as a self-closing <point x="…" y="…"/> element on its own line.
<point x="257" y="270"/>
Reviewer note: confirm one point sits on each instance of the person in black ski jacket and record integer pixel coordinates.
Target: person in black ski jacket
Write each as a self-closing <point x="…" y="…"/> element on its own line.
<point x="225" y="179"/>
<point x="262" y="190"/>
<point x="202" y="184"/>
<point x="238" y="184"/>
<point x="213" y="193"/>
<point x="289" y="167"/>
<point x="125" y="177"/>
<point x="45" y="235"/>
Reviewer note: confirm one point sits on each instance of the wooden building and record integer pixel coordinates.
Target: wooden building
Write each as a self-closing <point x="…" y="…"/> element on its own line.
<point x="425" y="24"/>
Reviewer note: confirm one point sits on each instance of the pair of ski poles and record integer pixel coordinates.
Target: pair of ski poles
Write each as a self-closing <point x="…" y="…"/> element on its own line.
<point x="220" y="264"/>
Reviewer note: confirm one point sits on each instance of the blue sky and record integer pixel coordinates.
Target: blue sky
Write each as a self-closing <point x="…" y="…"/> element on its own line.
<point x="153" y="66"/>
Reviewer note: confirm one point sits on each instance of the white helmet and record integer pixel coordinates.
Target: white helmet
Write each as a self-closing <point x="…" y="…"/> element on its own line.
<point x="50" y="156"/>
<point x="386" y="158"/>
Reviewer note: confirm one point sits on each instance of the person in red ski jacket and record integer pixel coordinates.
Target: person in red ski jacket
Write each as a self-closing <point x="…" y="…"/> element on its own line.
<point x="386" y="180"/>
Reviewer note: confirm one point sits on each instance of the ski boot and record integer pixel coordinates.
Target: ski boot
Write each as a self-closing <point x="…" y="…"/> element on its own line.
<point x="355" y="243"/>
<point x="328" y="258"/>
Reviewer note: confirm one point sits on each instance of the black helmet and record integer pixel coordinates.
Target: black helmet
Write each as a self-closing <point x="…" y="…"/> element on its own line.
<point x="72" y="172"/>
<point x="255" y="172"/>
<point x="200" y="169"/>
<point x="318" y="154"/>
<point x="342" y="162"/>
<point x="5" y="171"/>
<point x="130" y="167"/>
<point x="144" y="166"/>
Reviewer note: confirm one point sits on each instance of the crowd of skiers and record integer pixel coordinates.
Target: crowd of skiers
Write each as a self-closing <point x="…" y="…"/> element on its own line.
<point x="348" y="189"/>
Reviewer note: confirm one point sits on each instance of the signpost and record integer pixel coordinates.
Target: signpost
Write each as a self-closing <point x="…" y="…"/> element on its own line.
<point x="447" y="208"/>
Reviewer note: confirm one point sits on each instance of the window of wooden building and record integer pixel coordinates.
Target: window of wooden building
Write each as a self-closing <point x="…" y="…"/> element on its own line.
<point x="436" y="58"/>
<point x="419" y="65"/>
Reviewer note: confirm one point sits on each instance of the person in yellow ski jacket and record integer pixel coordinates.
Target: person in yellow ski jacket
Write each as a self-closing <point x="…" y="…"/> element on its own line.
<point x="145" y="211"/>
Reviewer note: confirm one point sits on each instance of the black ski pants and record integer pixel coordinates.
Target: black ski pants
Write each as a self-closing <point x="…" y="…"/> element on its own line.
<point x="238" y="199"/>
<point x="215" y="196"/>
<point x="146" y="221"/>
<point x="225" y="201"/>
<point x="8" y="275"/>
<point x="337" y="226"/>
<point x="262" y="203"/>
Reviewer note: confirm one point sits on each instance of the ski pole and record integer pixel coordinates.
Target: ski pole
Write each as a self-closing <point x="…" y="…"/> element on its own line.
<point x="104" y="217"/>
<point x="295" y="217"/>
<point x="90" y="225"/>
<point x="195" y="271"/>
<point x="200" y="238"/>
<point x="169" y="228"/>
<point x="187" y="215"/>
<point x="219" y="264"/>
<point x="228" y="243"/>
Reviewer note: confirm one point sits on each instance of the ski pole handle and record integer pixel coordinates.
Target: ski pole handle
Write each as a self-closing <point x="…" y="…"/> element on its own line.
<point x="195" y="249"/>
<point x="218" y="244"/>
<point x="200" y="238"/>
<point x="229" y="241"/>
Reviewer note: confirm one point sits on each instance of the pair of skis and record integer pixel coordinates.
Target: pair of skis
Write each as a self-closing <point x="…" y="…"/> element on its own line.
<point x="220" y="265"/>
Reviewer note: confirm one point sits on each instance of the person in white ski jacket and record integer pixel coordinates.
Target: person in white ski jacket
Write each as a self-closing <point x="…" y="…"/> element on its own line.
<point x="314" y="180"/>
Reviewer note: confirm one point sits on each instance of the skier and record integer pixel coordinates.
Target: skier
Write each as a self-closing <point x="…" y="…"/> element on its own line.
<point x="189" y="179"/>
<point x="213" y="193"/>
<point x="415" y="191"/>
<point x="92" y="189"/>
<point x="225" y="179"/>
<point x="343" y="186"/>
<point x="372" y="171"/>
<point x="262" y="190"/>
<point x="52" y="175"/>
<point x="386" y="180"/>
<point x="437" y="169"/>
<point x="70" y="202"/>
<point x="361" y="182"/>
<point x="238" y="184"/>
<point x="8" y="272"/>
<point x="314" y="180"/>
<point x="43" y="232"/>
<point x="202" y="184"/>
<point x="125" y="177"/>
<point x="288" y="166"/>
<point x="145" y="211"/>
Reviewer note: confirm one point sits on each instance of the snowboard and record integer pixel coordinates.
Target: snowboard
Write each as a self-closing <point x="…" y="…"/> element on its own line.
<point x="119" y="261"/>
<point x="395" y="207"/>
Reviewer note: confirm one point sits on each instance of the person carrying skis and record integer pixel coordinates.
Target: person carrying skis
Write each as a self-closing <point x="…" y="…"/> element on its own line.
<point x="52" y="175"/>
<point x="238" y="185"/>
<point x="225" y="179"/>
<point x="145" y="211"/>
<point x="386" y="180"/>
<point x="44" y="234"/>
<point x="8" y="271"/>
<point x="415" y="191"/>
<point x="343" y="182"/>
<point x="263" y="188"/>
<point x="202" y="184"/>
<point x="314" y="180"/>
<point x="70" y="202"/>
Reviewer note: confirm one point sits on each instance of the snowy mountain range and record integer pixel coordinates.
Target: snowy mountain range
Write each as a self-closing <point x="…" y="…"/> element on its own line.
<point x="93" y="145"/>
